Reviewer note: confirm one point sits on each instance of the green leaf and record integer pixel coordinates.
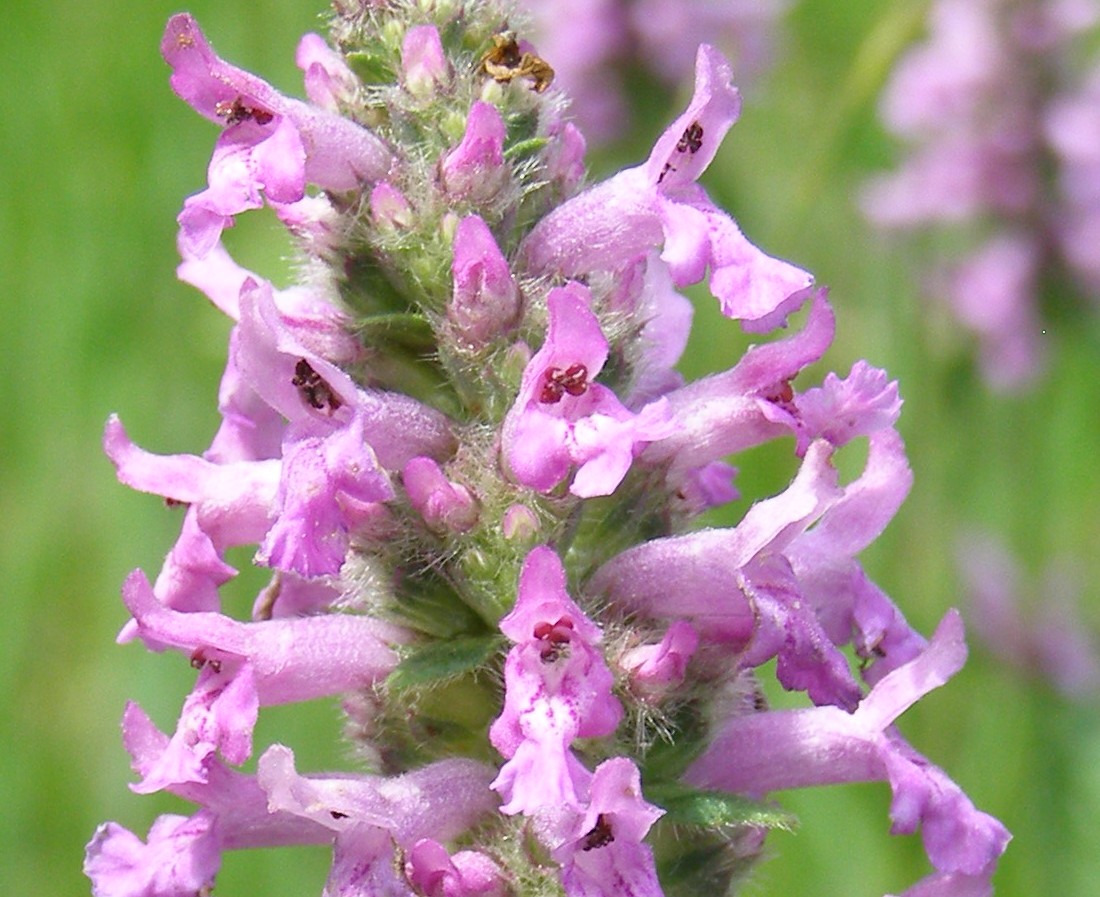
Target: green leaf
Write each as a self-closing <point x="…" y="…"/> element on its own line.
<point x="443" y="660"/>
<point x="684" y="805"/>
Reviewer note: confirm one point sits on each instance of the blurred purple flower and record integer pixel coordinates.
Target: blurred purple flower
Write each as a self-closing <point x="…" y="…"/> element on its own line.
<point x="1037" y="629"/>
<point x="988" y="108"/>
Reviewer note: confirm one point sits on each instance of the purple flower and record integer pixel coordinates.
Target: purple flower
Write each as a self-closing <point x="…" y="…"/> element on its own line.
<point x="445" y="505"/>
<point x="533" y="431"/>
<point x="557" y="687"/>
<point x="562" y="418"/>
<point x="774" y="586"/>
<point x="244" y="666"/>
<point x="422" y="60"/>
<point x="369" y="817"/>
<point x="658" y="204"/>
<point x="1071" y="126"/>
<point x="183" y="855"/>
<point x="192" y="572"/>
<point x="232" y="503"/>
<point x="299" y="510"/>
<point x="288" y="660"/>
<point x="486" y="300"/>
<point x="329" y="81"/>
<point x="988" y="111"/>
<point x="1036" y="628"/>
<point x="774" y="750"/>
<point x="747" y="405"/>
<point x="603" y="851"/>
<point x="466" y="874"/>
<point x="271" y="145"/>
<point x="655" y="668"/>
<point x="311" y="390"/>
<point x="474" y="170"/>
<point x="179" y="859"/>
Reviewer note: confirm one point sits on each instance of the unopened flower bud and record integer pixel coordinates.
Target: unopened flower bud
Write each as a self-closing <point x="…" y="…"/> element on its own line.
<point x="329" y="82"/>
<point x="486" y="299"/>
<point x="444" y="505"/>
<point x="520" y="524"/>
<point x="475" y="169"/>
<point x="423" y="61"/>
<point x="655" y="669"/>
<point x="388" y="207"/>
<point x="565" y="159"/>
<point x="468" y="873"/>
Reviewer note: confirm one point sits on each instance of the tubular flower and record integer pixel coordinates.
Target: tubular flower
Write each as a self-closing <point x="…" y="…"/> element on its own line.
<point x="463" y="452"/>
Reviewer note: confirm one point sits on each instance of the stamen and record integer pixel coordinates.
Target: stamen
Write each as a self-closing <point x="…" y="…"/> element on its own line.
<point x="314" y="390"/>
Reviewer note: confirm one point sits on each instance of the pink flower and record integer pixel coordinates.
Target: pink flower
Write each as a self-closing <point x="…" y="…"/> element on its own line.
<point x="486" y="301"/>
<point x="658" y="204"/>
<point x="557" y="688"/>
<point x="180" y="859"/>
<point x="562" y="418"/>
<point x="475" y="170"/>
<point x="604" y="852"/>
<point x="271" y="145"/>
<point x="422" y="60"/>
<point x="774" y="750"/>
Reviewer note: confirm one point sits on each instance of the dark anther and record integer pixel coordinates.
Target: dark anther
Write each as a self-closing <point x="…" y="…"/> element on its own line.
<point x="237" y="111"/>
<point x="314" y="390"/>
<point x="691" y="141"/>
<point x="600" y="836"/>
<point x="336" y="814"/>
<point x="573" y="380"/>
<point x="783" y="394"/>
<point x="555" y="638"/>
<point x="200" y="660"/>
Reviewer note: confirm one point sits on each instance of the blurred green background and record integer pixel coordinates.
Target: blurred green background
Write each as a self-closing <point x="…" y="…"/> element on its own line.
<point x="98" y="155"/>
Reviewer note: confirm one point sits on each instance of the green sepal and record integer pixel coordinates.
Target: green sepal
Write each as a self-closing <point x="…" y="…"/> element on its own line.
<point x="429" y="604"/>
<point x="407" y="331"/>
<point x="709" y="865"/>
<point x="684" y="805"/>
<point x="446" y="719"/>
<point x="403" y="358"/>
<point x="369" y="290"/>
<point x="528" y="147"/>
<point x="370" y="68"/>
<point x="440" y="661"/>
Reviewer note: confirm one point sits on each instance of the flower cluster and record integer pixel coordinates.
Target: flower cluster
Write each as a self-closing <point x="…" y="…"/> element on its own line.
<point x="461" y="447"/>
<point x="1007" y="145"/>
<point x="594" y="44"/>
